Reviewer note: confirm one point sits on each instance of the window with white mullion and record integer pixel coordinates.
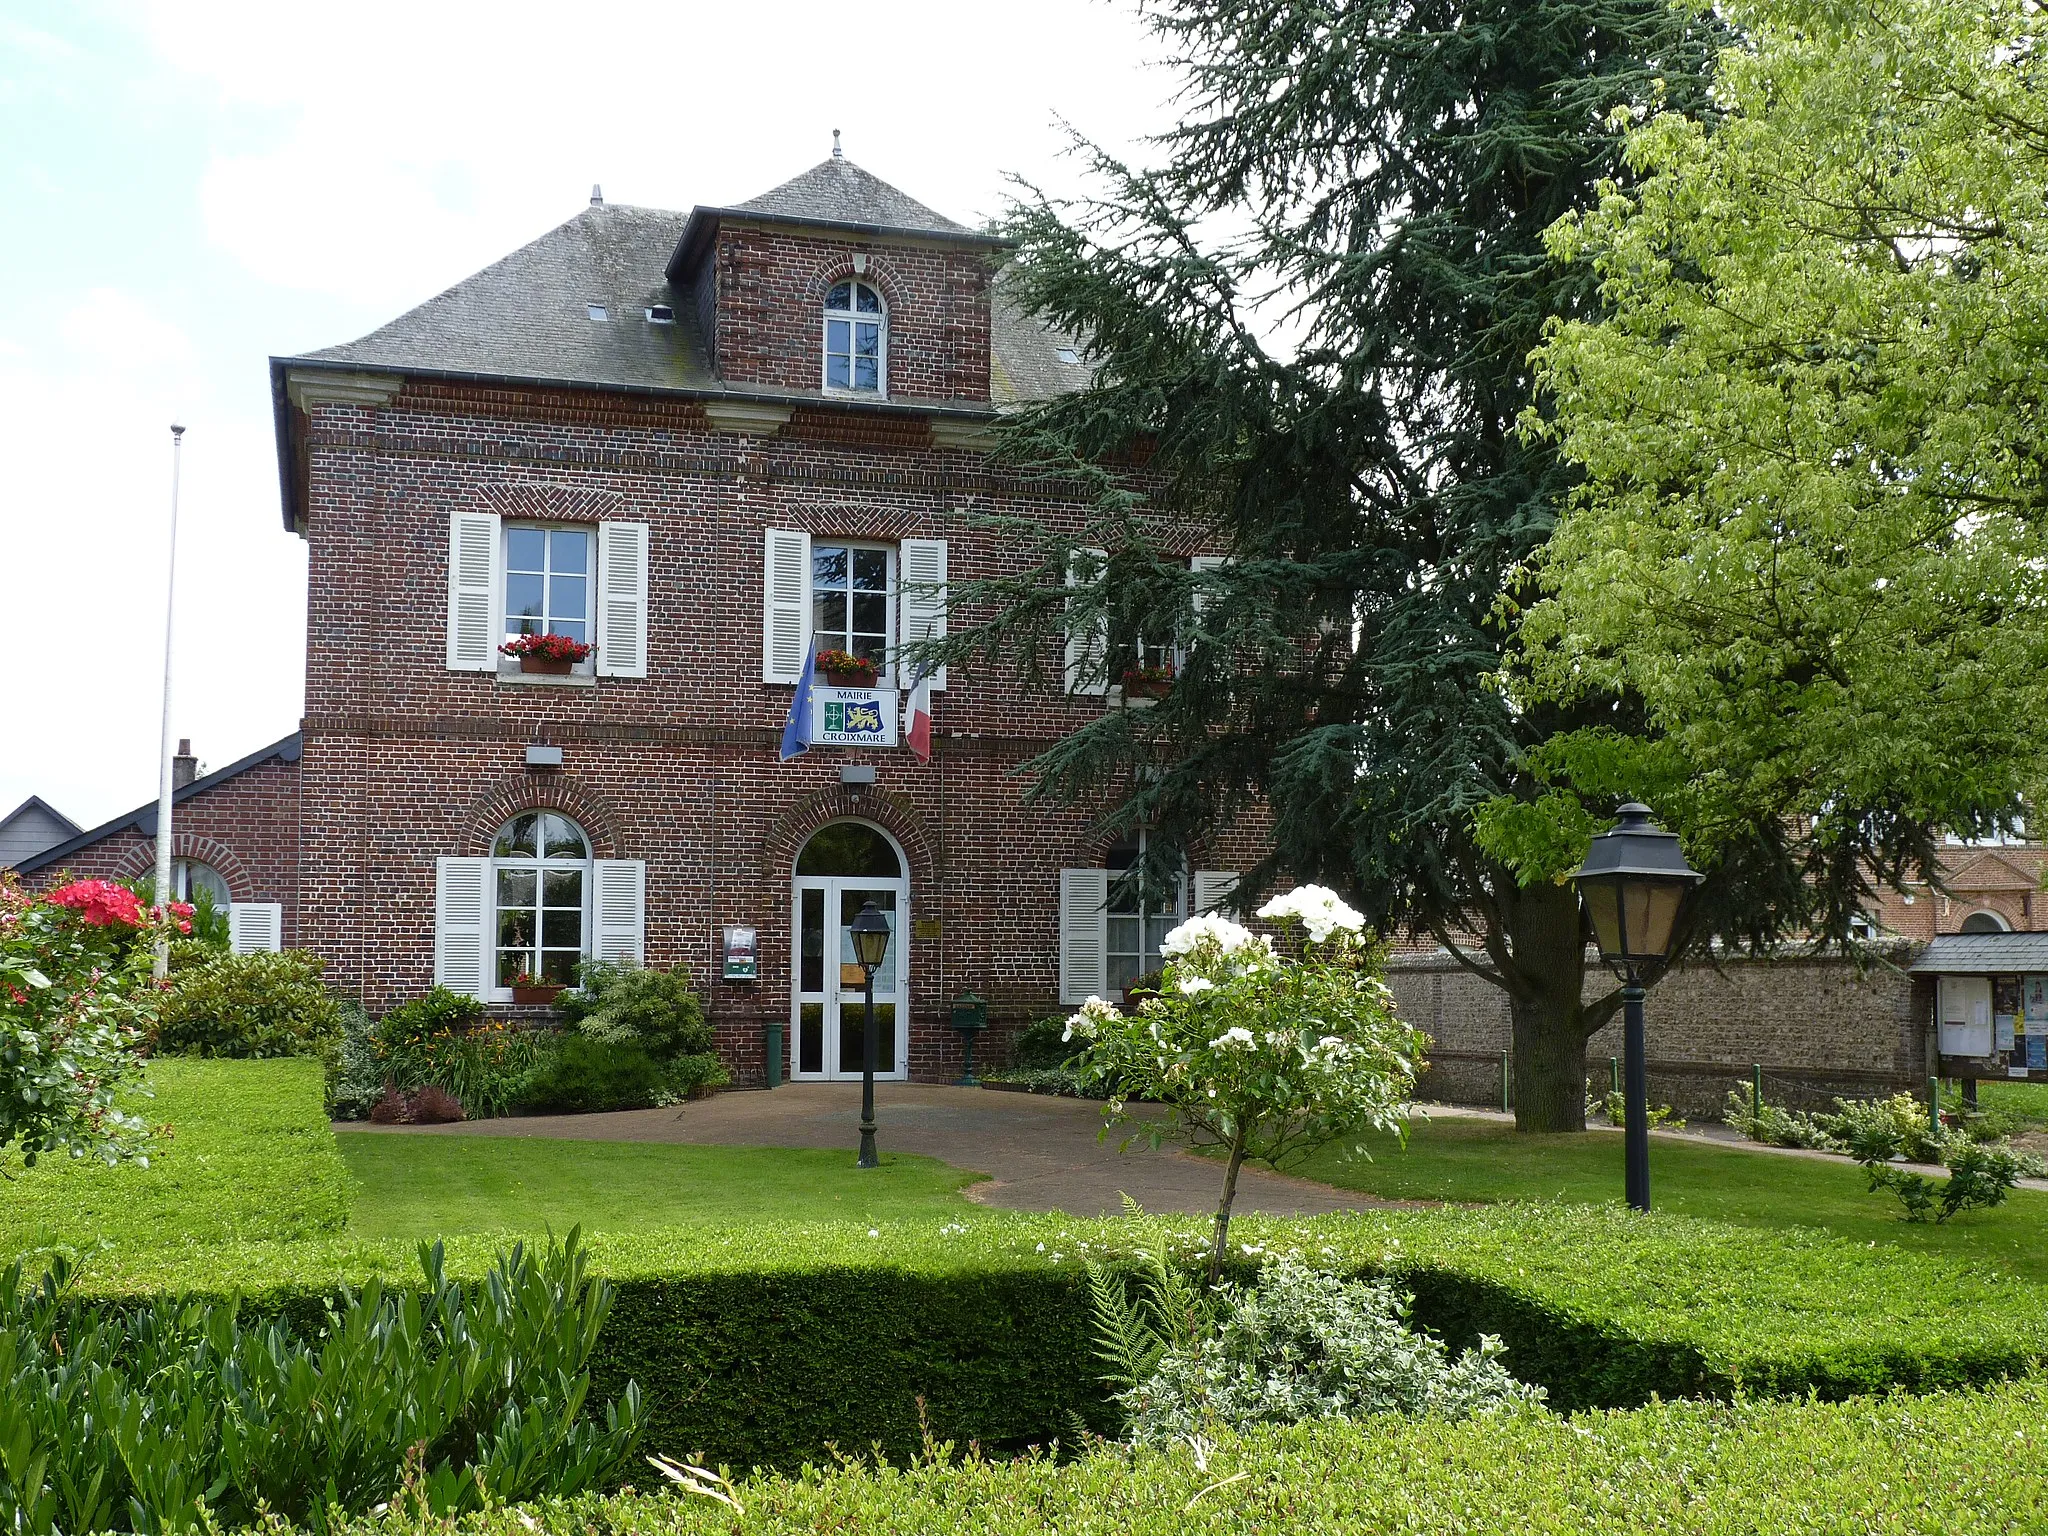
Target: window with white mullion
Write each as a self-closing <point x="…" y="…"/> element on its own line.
<point x="1135" y="928"/>
<point x="856" y="339"/>
<point x="853" y="607"/>
<point x="547" y="581"/>
<point x="540" y="886"/>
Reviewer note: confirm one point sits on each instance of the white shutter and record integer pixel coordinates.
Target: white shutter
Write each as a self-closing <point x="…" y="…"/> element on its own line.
<point x="620" y="908"/>
<point x="785" y="605"/>
<point x="1087" y="643"/>
<point x="1213" y="888"/>
<point x="255" y="927"/>
<point x="462" y="910"/>
<point x="474" y="553"/>
<point x="621" y="628"/>
<point x="1199" y="563"/>
<point x="1084" y="934"/>
<point x="921" y="572"/>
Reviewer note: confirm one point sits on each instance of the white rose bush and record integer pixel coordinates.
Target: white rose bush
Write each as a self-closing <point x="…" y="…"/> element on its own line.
<point x="1267" y="1051"/>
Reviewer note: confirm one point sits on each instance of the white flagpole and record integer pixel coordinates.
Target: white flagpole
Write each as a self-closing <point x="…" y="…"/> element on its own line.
<point x="163" y="788"/>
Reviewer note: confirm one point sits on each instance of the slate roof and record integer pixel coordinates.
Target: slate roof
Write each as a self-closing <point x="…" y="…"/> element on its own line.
<point x="837" y="191"/>
<point x="142" y="820"/>
<point x="526" y="318"/>
<point x="1982" y="954"/>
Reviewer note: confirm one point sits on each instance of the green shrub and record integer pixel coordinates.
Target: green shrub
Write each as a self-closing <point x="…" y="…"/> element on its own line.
<point x="1877" y="1130"/>
<point x="580" y="1075"/>
<point x="250" y="1006"/>
<point x="439" y="1012"/>
<point x="628" y="1005"/>
<point x="1772" y="1125"/>
<point x="1063" y="1082"/>
<point x="684" y="1077"/>
<point x="1955" y="1463"/>
<point x="356" y="1075"/>
<point x="1980" y="1175"/>
<point x="248" y="1156"/>
<point x="1043" y="1044"/>
<point x="1302" y="1344"/>
<point x="136" y="1418"/>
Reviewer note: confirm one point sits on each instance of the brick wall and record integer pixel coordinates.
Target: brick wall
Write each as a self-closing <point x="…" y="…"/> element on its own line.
<point x="1816" y="1026"/>
<point x="406" y="761"/>
<point x="763" y="289"/>
<point x="246" y="827"/>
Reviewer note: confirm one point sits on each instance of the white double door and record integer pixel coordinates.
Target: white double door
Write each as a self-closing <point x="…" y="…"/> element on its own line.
<point x="827" y="1014"/>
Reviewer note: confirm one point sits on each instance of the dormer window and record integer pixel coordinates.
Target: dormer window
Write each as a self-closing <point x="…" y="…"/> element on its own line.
<point x="856" y="340"/>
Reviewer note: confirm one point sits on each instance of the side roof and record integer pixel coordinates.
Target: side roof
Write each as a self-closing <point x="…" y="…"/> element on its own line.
<point x="37" y="803"/>
<point x="1982" y="954"/>
<point x="526" y="318"/>
<point x="142" y="819"/>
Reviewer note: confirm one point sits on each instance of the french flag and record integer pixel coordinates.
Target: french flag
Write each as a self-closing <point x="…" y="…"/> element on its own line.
<point x="917" y="713"/>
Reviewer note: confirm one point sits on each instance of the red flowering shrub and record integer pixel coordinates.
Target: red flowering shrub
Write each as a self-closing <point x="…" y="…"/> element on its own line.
<point x="546" y="647"/>
<point x="103" y="903"/>
<point x="76" y="999"/>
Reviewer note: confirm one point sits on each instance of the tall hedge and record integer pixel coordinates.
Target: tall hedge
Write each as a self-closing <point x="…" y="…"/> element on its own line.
<point x="761" y="1346"/>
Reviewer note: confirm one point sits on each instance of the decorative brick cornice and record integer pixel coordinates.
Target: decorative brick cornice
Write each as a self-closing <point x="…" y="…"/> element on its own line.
<point x="518" y="792"/>
<point x="141" y="860"/>
<point x="894" y="814"/>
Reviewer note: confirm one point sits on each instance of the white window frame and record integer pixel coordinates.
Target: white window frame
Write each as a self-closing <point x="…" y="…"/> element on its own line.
<point x="880" y="320"/>
<point x="503" y="596"/>
<point x="1111" y="911"/>
<point x="886" y="677"/>
<point x="492" y="990"/>
<point x="181" y="881"/>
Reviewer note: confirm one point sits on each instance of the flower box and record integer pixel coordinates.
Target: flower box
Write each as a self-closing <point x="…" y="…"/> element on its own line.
<point x="843" y="669"/>
<point x="1147" y="682"/>
<point x="531" y="989"/>
<point x="546" y="655"/>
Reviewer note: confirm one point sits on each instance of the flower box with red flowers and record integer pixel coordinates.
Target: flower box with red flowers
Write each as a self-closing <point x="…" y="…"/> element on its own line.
<point x="548" y="655"/>
<point x="1147" y="682"/>
<point x="843" y="669"/>
<point x="529" y="988"/>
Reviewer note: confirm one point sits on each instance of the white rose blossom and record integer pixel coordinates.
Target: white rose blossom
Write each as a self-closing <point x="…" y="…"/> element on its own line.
<point x="1231" y="938"/>
<point x="1193" y="984"/>
<point x="1319" y="910"/>
<point x="1235" y="1038"/>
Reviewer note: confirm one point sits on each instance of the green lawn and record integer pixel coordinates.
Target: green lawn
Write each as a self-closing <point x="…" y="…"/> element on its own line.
<point x="2028" y="1099"/>
<point x="1462" y="1161"/>
<point x="432" y="1186"/>
<point x="248" y="1157"/>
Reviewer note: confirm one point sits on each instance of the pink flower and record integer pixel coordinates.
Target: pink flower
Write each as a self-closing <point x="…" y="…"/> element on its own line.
<point x="101" y="903"/>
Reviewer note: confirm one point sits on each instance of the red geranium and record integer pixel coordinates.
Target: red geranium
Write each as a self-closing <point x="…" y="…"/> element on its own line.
<point x="546" y="647"/>
<point x="101" y="903"/>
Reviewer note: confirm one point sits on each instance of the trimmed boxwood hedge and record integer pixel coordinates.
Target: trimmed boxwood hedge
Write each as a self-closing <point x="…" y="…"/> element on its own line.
<point x="1955" y="1463"/>
<point x="765" y="1346"/>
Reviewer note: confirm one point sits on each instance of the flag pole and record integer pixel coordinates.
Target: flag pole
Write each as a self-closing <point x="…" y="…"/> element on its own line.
<point x="163" y="787"/>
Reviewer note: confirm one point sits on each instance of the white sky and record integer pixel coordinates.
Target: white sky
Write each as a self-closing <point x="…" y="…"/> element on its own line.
<point x="186" y="189"/>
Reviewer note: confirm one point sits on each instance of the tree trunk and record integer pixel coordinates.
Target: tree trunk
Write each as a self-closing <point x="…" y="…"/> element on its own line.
<point x="1547" y="1008"/>
<point x="1216" y="1249"/>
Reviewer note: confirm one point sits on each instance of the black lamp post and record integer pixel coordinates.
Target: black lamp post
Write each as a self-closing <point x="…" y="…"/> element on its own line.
<point x="870" y="932"/>
<point x="1634" y="883"/>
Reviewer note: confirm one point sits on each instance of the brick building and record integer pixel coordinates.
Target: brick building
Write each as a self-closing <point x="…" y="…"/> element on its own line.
<point x="710" y="445"/>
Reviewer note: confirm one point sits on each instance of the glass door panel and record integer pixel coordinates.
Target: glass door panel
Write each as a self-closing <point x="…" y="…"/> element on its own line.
<point x="829" y="1010"/>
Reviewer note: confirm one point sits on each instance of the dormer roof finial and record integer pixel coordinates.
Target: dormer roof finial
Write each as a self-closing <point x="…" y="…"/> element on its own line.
<point x="596" y="195"/>
<point x="835" y="144"/>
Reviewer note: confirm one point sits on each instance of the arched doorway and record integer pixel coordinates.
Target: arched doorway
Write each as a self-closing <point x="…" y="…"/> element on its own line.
<point x="845" y="865"/>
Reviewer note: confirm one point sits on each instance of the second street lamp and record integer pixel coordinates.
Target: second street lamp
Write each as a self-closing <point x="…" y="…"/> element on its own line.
<point x="1634" y="883"/>
<point x="870" y="933"/>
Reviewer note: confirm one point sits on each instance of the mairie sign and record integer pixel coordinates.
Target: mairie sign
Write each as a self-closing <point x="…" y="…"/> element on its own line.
<point x="853" y="717"/>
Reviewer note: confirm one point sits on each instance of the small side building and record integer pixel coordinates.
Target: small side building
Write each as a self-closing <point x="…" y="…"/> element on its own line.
<point x="1988" y="993"/>
<point x="31" y="827"/>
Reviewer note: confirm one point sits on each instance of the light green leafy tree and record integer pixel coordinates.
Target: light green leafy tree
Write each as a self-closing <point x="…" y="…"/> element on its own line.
<point x="1261" y="1052"/>
<point x="1811" y="534"/>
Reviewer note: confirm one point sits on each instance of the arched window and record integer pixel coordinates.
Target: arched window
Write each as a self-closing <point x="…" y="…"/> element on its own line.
<point x="540" y="879"/>
<point x="850" y="848"/>
<point x="1986" y="922"/>
<point x="189" y="877"/>
<point x="856" y="339"/>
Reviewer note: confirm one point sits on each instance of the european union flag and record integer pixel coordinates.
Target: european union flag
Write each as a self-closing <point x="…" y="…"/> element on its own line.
<point x="796" y="732"/>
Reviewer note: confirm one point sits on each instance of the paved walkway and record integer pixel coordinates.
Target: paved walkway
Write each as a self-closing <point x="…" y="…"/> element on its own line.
<point x="1041" y="1153"/>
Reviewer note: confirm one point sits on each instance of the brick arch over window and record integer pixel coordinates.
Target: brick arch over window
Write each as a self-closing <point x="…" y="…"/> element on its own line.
<point x="549" y="501"/>
<point x="838" y="268"/>
<point x="218" y="856"/>
<point x="518" y="792"/>
<point x="786" y="838"/>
